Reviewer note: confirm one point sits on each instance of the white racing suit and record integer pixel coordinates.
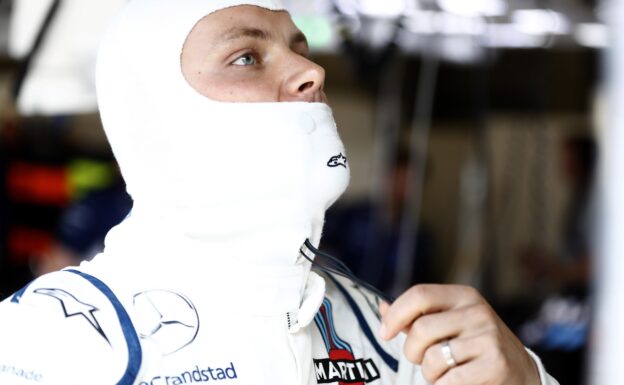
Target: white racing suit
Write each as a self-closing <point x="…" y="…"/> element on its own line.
<point x="71" y="327"/>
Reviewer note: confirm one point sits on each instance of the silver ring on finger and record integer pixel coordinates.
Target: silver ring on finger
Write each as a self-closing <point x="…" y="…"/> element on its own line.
<point x="447" y="353"/>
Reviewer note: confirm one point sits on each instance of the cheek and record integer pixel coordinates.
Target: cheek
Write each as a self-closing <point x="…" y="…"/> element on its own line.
<point x="236" y="87"/>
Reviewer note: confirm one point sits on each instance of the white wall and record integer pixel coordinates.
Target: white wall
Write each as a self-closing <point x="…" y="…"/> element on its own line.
<point x="608" y="333"/>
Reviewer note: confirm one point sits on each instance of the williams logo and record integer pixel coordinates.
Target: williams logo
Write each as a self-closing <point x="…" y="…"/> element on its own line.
<point x="337" y="161"/>
<point x="167" y="318"/>
<point x="341" y="366"/>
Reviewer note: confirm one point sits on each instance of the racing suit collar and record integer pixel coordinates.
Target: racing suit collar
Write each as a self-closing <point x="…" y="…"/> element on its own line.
<point x="242" y="276"/>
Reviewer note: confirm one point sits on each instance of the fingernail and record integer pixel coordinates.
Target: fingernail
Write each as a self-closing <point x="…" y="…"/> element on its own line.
<point x="383" y="331"/>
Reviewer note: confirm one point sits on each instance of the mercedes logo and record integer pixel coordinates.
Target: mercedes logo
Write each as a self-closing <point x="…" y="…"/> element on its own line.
<point x="167" y="318"/>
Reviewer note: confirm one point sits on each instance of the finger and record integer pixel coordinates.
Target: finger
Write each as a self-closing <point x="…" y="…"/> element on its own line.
<point x="424" y="299"/>
<point x="383" y="308"/>
<point x="434" y="364"/>
<point x="431" y="329"/>
<point x="475" y="372"/>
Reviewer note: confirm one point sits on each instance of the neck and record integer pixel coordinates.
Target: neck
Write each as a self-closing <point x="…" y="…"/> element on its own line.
<point x="260" y="270"/>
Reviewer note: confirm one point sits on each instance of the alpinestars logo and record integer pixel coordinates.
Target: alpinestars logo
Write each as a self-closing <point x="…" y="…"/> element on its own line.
<point x="73" y="307"/>
<point x="337" y="161"/>
<point x="341" y="366"/>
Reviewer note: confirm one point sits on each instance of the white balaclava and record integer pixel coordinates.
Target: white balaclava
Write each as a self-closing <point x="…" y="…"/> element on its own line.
<point x="251" y="180"/>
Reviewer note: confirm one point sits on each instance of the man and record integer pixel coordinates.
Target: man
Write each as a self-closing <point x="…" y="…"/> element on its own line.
<point x="218" y="122"/>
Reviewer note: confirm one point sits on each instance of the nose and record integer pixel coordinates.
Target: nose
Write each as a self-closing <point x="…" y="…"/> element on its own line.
<point x="305" y="81"/>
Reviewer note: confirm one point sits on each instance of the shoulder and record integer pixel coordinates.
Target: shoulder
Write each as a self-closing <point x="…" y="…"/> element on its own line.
<point x="61" y="329"/>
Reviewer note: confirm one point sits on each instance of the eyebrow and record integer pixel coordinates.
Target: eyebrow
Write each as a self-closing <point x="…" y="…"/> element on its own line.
<point x="235" y="33"/>
<point x="241" y="32"/>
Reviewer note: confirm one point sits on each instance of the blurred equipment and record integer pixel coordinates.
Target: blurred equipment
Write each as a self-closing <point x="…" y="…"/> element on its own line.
<point x="55" y="191"/>
<point x="82" y="227"/>
<point x="464" y="31"/>
<point x="57" y="41"/>
<point x="5" y="14"/>
<point x="558" y="332"/>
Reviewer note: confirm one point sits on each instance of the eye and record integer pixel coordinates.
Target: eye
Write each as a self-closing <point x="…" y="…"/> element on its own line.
<point x="245" y="60"/>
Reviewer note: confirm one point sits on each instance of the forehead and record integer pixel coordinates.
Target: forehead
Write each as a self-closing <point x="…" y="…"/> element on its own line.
<point x="229" y="23"/>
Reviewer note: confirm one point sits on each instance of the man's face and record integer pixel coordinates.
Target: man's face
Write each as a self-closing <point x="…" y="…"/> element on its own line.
<point x="250" y="54"/>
